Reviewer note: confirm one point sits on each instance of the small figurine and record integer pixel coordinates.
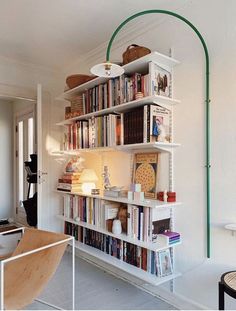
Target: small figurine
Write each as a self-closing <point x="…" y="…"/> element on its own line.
<point x="106" y="179"/>
<point x="165" y="197"/>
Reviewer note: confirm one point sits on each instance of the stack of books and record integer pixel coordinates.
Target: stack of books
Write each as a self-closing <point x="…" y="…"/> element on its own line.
<point x="69" y="182"/>
<point x="171" y="237"/>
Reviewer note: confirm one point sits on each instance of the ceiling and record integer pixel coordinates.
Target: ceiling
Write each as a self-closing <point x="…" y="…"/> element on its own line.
<point x="56" y="33"/>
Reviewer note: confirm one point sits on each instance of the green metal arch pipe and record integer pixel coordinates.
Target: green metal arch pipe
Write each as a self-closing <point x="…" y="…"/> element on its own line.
<point x="207" y="102"/>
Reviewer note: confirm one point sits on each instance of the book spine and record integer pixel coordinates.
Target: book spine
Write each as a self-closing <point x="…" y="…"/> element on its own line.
<point x="145" y="124"/>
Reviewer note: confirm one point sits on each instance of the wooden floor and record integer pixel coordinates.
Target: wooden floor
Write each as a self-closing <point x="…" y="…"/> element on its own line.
<point x="95" y="290"/>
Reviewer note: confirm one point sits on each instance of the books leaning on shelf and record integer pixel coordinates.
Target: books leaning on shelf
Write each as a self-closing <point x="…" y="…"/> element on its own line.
<point x="103" y="131"/>
<point x="155" y="81"/>
<point x="156" y="263"/>
<point x="115" y="91"/>
<point x="149" y="123"/>
<point x="138" y="222"/>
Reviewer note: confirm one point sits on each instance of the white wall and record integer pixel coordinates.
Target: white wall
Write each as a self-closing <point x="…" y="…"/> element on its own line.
<point x="6" y="159"/>
<point x="216" y="21"/>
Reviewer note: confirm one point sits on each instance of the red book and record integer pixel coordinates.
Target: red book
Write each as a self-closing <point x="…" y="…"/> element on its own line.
<point x="144" y="259"/>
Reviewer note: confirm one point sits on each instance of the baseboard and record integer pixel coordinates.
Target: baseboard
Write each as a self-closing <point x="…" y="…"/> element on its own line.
<point x="173" y="298"/>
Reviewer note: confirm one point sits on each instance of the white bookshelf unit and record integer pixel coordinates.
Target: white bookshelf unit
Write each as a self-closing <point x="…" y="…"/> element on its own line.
<point x="140" y="65"/>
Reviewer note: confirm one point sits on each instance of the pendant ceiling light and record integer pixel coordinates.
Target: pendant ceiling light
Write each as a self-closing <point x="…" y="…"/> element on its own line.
<point x="107" y="70"/>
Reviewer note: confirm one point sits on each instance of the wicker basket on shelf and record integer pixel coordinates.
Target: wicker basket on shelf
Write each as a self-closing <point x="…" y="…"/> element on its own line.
<point x="78" y="79"/>
<point x="133" y="52"/>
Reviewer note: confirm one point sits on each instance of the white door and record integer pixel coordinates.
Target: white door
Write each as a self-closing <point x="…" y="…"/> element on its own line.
<point x="42" y="131"/>
<point x="25" y="146"/>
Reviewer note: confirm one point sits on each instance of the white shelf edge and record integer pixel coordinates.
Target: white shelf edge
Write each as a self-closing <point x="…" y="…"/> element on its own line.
<point x="146" y="203"/>
<point x="137" y="272"/>
<point x="123" y="237"/>
<point x="162" y="147"/>
<point x="161" y="59"/>
<point x="162" y="100"/>
<point x="141" y="147"/>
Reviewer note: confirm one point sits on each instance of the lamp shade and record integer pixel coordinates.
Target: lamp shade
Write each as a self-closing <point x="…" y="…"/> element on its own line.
<point x="88" y="175"/>
<point x="107" y="70"/>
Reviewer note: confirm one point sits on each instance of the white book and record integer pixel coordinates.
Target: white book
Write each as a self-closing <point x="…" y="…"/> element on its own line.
<point x="129" y="223"/>
<point x="135" y="215"/>
<point x="145" y="113"/>
<point x="75" y="206"/>
<point x="121" y="250"/>
<point x="146" y="224"/>
<point x="111" y="210"/>
<point x="141" y="226"/>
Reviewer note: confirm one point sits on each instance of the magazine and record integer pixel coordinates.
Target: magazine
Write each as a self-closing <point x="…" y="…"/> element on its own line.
<point x="159" y="124"/>
<point x="160" y="80"/>
<point x="145" y="173"/>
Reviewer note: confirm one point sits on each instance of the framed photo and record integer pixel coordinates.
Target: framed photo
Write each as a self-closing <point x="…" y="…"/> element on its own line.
<point x="165" y="263"/>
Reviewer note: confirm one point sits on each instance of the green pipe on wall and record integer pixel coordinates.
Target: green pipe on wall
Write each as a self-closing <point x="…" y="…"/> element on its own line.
<point x="207" y="104"/>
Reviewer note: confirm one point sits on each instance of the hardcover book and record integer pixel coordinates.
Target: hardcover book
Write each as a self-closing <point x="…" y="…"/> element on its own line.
<point x="159" y="124"/>
<point x="145" y="173"/>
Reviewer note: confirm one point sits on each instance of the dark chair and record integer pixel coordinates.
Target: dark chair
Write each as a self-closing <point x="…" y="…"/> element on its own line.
<point x="227" y="285"/>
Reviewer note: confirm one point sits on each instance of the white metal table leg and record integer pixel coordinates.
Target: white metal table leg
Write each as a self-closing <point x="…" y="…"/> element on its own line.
<point x="73" y="274"/>
<point x="2" y="285"/>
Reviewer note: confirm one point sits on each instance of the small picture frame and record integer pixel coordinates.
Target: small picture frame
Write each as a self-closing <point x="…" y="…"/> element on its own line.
<point x="165" y="263"/>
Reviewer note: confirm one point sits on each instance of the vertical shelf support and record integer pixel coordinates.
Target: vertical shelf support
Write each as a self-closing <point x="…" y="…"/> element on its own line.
<point x="207" y="103"/>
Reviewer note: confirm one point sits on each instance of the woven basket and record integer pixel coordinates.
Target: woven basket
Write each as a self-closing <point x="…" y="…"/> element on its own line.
<point x="133" y="52"/>
<point x="76" y="80"/>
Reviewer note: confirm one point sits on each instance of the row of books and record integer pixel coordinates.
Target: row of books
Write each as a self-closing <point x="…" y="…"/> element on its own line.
<point x="114" y="92"/>
<point x="123" y="89"/>
<point x="101" y="131"/>
<point x="156" y="263"/>
<point x="138" y="222"/>
<point x="149" y="123"/>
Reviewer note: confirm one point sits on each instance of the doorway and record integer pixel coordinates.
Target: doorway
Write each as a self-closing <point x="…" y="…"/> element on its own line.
<point x="24" y="115"/>
<point x="25" y="146"/>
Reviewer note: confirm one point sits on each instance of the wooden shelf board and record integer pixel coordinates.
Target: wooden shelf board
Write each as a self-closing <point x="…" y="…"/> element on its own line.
<point x="162" y="100"/>
<point x="122" y="236"/>
<point x="147" y="203"/>
<point x="137" y="272"/>
<point x="137" y="65"/>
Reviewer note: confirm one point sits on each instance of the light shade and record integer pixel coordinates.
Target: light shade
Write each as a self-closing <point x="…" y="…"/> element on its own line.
<point x="107" y="70"/>
<point x="88" y="175"/>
